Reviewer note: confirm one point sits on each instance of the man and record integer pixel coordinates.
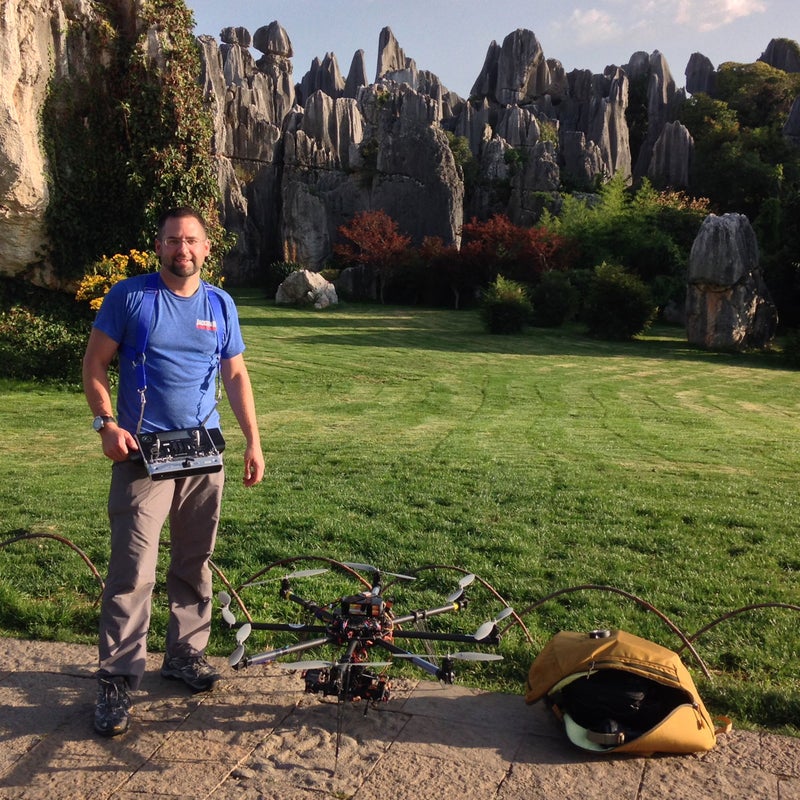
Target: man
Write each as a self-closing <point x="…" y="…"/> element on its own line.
<point x="184" y="361"/>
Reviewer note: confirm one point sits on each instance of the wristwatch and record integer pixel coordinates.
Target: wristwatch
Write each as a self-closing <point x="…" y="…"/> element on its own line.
<point x="98" y="423"/>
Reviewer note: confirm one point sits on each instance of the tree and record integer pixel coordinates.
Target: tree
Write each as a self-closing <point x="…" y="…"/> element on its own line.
<point x="129" y="138"/>
<point x="372" y="240"/>
<point x="619" y="305"/>
<point x="499" y="247"/>
<point x="444" y="264"/>
<point x="743" y="163"/>
<point x="649" y="232"/>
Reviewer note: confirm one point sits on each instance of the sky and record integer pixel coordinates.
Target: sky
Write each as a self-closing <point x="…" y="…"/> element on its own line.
<point x="450" y="37"/>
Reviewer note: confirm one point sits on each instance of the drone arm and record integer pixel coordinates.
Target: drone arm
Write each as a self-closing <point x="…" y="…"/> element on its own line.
<point x="308" y="605"/>
<point x="274" y="655"/>
<point x="416" y="616"/>
<point x="442" y="637"/>
<point x="285" y="626"/>
<point x="418" y="661"/>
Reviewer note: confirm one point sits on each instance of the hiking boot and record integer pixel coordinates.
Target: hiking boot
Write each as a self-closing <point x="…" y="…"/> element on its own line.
<point x="113" y="705"/>
<point x="194" y="671"/>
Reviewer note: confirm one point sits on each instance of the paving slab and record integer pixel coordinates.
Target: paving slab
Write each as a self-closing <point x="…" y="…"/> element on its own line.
<point x="259" y="736"/>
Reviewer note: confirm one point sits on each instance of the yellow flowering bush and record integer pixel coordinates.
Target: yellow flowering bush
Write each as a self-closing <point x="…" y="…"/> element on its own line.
<point x="103" y="274"/>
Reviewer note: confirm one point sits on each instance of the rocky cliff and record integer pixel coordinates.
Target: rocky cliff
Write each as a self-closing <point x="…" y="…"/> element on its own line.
<point x="304" y="159"/>
<point x="39" y="39"/>
<point x="297" y="158"/>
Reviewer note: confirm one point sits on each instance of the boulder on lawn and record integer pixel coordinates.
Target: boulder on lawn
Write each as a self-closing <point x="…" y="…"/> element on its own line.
<point x="306" y="288"/>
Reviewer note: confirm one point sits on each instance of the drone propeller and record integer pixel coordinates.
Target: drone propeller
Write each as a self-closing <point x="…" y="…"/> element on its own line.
<point x="293" y="665"/>
<point x="241" y="637"/>
<point x="462" y="584"/>
<point x="487" y="627"/>
<point x="476" y="656"/>
<point x="225" y="601"/>
<point x="469" y="656"/>
<point x="300" y="573"/>
<point x="370" y="568"/>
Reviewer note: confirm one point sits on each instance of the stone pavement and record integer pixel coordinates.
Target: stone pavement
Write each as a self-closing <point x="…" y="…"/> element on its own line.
<point x="259" y="736"/>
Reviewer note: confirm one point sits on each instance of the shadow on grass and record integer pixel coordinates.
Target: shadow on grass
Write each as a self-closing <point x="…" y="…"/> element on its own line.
<point x="773" y="710"/>
<point x="461" y="332"/>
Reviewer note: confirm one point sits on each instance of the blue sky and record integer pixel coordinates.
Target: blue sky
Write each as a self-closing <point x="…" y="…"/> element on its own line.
<point x="451" y="37"/>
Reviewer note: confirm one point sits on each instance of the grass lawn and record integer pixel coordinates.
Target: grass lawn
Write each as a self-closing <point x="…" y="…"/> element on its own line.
<point x="406" y="437"/>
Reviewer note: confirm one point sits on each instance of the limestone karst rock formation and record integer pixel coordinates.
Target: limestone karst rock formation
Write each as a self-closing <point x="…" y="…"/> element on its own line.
<point x="782" y="54"/>
<point x="297" y="158"/>
<point x="34" y="46"/>
<point x="346" y="146"/>
<point x="671" y="156"/>
<point x="791" y="130"/>
<point x="728" y="305"/>
<point x="700" y="75"/>
<point x="306" y="288"/>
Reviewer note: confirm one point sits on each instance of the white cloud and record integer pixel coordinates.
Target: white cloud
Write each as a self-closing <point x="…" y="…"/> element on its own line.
<point x="592" y="25"/>
<point x="708" y="15"/>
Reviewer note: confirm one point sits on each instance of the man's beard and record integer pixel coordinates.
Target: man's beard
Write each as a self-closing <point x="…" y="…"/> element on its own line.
<point x="182" y="269"/>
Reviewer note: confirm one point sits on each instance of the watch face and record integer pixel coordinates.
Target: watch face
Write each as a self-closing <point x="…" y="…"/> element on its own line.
<point x="97" y="423"/>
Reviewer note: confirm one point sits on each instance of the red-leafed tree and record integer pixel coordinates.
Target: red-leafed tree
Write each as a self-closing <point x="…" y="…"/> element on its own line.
<point x="372" y="239"/>
<point x="499" y="247"/>
<point x="447" y="268"/>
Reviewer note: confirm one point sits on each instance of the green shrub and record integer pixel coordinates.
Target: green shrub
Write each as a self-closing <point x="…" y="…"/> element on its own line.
<point x="791" y="348"/>
<point x="618" y="305"/>
<point x="554" y="299"/>
<point x="505" y="306"/>
<point x="41" y="346"/>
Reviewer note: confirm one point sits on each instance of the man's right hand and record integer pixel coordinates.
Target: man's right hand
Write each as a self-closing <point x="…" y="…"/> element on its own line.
<point x="117" y="442"/>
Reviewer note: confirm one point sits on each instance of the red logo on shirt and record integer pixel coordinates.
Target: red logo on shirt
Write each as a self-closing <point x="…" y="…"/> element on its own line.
<point x="206" y="325"/>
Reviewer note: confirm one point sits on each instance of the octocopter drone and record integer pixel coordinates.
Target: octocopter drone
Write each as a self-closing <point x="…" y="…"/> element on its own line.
<point x="356" y="624"/>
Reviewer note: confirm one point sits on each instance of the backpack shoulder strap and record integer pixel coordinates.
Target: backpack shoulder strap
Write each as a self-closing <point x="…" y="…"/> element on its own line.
<point x="136" y="353"/>
<point x="216" y="314"/>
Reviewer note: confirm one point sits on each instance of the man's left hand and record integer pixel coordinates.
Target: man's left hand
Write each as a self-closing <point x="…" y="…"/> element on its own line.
<point x="253" y="466"/>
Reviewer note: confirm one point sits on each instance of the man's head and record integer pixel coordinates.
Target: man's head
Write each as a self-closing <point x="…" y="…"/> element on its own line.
<point x="182" y="243"/>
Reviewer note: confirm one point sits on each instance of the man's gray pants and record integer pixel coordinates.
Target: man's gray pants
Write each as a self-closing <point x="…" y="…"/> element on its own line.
<point x="137" y="510"/>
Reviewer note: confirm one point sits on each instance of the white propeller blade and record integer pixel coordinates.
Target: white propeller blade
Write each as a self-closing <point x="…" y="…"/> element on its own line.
<point x="476" y="656"/>
<point x="225" y="601"/>
<point x="487" y="627"/>
<point x="456" y="656"/>
<point x="236" y="656"/>
<point x="241" y="636"/>
<point x="304" y="664"/>
<point x="244" y="632"/>
<point x="370" y="568"/>
<point x="462" y="584"/>
<point x="484" y="630"/>
<point x="300" y="573"/>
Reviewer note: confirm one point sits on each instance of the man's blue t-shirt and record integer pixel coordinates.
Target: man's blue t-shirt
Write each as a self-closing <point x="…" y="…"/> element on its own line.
<point x="180" y="356"/>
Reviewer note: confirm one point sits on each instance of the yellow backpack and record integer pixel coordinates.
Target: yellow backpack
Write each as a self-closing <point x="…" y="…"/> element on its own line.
<point x="616" y="692"/>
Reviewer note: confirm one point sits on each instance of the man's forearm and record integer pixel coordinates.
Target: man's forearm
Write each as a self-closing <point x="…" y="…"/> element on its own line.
<point x="242" y="401"/>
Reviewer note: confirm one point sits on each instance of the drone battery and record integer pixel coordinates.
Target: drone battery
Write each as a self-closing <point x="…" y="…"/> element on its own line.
<point x="360" y="605"/>
<point x="180" y="453"/>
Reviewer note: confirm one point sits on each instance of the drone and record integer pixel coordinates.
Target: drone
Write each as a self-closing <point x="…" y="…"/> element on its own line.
<point x="358" y="624"/>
